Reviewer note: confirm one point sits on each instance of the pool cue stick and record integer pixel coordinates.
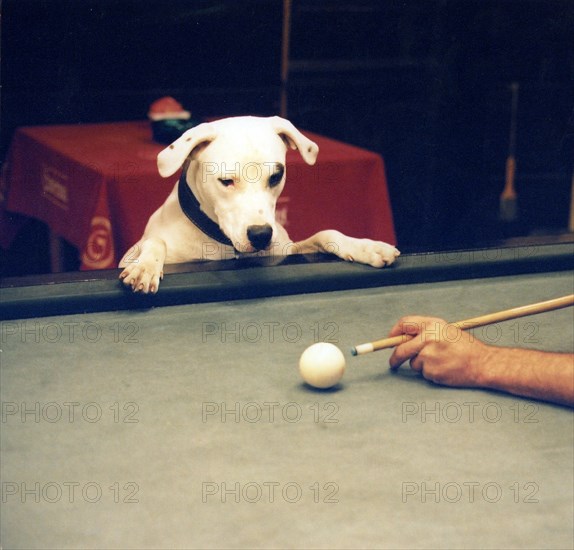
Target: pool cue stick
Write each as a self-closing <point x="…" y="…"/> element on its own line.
<point x="505" y="315"/>
<point x="507" y="211"/>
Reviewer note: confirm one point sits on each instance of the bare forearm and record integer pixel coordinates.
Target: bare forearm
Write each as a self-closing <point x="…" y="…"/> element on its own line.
<point x="465" y="362"/>
<point x="530" y="373"/>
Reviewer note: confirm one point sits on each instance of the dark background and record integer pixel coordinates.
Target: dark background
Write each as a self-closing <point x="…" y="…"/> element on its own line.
<point x="426" y="83"/>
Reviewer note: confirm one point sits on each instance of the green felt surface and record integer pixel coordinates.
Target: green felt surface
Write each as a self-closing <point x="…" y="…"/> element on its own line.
<point x="187" y="445"/>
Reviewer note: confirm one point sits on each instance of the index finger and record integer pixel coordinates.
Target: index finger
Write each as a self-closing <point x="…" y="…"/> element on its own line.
<point x="409" y="324"/>
<point x="414" y="326"/>
<point x="406" y="351"/>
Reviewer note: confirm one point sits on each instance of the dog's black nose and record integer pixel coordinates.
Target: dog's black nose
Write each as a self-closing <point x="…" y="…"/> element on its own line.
<point x="260" y="235"/>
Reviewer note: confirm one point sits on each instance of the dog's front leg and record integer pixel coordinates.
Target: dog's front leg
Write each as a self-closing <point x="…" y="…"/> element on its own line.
<point x="143" y="265"/>
<point x="365" y="251"/>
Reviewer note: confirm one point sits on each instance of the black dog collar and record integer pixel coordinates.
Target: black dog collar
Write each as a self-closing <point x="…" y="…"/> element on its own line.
<point x="190" y="206"/>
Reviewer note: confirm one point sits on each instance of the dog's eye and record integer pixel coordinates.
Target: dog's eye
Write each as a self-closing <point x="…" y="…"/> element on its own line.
<point x="226" y="182"/>
<point x="275" y="179"/>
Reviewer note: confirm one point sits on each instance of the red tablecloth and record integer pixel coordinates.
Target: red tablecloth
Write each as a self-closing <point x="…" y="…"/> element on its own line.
<point x="96" y="185"/>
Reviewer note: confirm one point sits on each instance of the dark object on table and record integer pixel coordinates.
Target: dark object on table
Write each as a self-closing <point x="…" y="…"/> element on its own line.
<point x="169" y="120"/>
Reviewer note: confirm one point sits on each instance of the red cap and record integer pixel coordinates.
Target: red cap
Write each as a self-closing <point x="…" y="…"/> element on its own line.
<point x="167" y="107"/>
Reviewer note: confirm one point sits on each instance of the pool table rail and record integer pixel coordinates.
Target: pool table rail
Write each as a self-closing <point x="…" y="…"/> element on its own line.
<point x="200" y="282"/>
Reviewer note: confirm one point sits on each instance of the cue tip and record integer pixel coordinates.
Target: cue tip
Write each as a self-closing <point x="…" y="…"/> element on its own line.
<point x="362" y="349"/>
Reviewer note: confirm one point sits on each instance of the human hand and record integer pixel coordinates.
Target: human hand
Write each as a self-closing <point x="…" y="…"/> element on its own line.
<point x="440" y="351"/>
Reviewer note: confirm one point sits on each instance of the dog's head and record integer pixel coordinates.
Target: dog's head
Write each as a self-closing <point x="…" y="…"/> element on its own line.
<point x="237" y="171"/>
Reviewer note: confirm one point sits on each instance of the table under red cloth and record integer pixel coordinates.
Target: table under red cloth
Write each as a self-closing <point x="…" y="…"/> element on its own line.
<point x="96" y="185"/>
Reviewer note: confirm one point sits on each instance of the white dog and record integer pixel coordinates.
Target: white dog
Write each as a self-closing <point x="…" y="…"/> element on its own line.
<point x="224" y="202"/>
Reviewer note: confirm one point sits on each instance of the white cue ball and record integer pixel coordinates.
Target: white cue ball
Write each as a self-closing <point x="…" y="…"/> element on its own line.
<point x="322" y="365"/>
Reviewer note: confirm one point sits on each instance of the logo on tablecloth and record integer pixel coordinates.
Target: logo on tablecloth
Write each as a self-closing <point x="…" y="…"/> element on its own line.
<point x="54" y="186"/>
<point x="3" y="185"/>
<point x="99" y="252"/>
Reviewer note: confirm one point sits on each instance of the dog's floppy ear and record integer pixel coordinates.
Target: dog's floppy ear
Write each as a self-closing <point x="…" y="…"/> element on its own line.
<point x="171" y="158"/>
<point x="295" y="139"/>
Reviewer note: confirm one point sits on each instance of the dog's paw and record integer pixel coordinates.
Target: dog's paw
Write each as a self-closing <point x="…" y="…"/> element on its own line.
<point x="366" y="251"/>
<point x="142" y="276"/>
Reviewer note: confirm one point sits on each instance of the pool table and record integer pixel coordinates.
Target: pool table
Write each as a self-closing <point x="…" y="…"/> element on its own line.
<point x="179" y="420"/>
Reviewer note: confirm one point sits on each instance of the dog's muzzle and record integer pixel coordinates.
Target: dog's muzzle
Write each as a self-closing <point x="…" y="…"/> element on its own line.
<point x="260" y="236"/>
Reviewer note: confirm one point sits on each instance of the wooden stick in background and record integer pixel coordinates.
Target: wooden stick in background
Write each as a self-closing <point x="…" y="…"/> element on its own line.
<point x="507" y="208"/>
<point x="285" y="40"/>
